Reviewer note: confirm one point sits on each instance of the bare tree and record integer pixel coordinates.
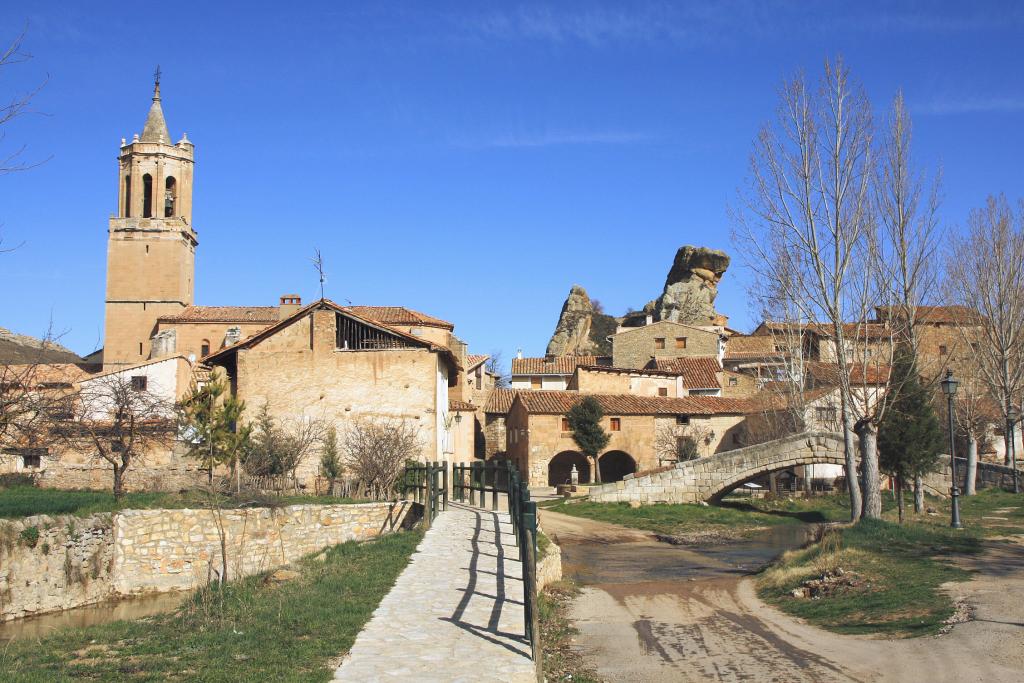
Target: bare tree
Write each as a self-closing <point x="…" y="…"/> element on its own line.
<point x="117" y="420"/>
<point x="277" y="448"/>
<point x="986" y="274"/>
<point x="807" y="212"/>
<point x="495" y="366"/>
<point x="375" y="452"/>
<point x="973" y="409"/>
<point x="680" y="443"/>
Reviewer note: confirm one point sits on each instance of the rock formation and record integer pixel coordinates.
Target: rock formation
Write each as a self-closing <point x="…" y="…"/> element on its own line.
<point x="581" y="329"/>
<point x="691" y="286"/>
<point x="688" y="297"/>
<point x="20" y="348"/>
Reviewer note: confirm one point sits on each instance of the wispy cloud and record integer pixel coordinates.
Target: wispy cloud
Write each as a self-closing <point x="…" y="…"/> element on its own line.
<point x="971" y="105"/>
<point x="556" y="138"/>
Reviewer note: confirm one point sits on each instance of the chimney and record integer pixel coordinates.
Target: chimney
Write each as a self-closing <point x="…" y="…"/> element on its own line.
<point x="232" y="336"/>
<point x="648" y="319"/>
<point x="519" y="354"/>
<point x="289" y="304"/>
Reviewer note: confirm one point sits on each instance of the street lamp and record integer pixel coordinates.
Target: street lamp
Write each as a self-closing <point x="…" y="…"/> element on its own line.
<point x="949" y="386"/>
<point x="1011" y="419"/>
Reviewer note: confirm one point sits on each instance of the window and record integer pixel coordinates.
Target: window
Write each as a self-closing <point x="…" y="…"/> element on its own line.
<point x="204" y="350"/>
<point x="34" y="461"/>
<point x="30" y="457"/>
<point x="535" y="383"/>
<point x="680" y="342"/>
<point x="662" y="391"/>
<point x="170" y="196"/>
<point x="147" y="196"/>
<point x="826" y="414"/>
<point x="734" y="381"/>
<point x="659" y="343"/>
<point x="942" y="349"/>
<point x="565" y="424"/>
<point x="139" y="382"/>
<point x="127" y="196"/>
<point x="616" y="424"/>
<point x="682" y="419"/>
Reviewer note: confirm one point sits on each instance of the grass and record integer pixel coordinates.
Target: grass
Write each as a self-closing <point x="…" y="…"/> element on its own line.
<point x="24" y="501"/>
<point x="733" y="517"/>
<point x="899" y="571"/>
<point x="561" y="661"/>
<point x="251" y="631"/>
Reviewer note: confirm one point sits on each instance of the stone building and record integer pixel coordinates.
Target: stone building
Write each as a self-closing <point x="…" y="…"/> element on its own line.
<point x="643" y="431"/>
<point x="635" y="347"/>
<point x="549" y="372"/>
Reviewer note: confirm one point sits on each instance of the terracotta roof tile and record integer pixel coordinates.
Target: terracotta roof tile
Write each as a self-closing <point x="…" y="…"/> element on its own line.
<point x="557" y="365"/>
<point x="500" y="401"/>
<point x="828" y="373"/>
<point x="461" y="406"/>
<point x="937" y="314"/>
<point x="224" y="314"/>
<point x="749" y="346"/>
<point x="399" y="315"/>
<point x="559" y="402"/>
<point x="699" y="372"/>
<point x="475" y="359"/>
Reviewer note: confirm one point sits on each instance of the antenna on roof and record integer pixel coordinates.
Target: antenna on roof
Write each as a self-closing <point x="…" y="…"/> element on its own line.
<point x="318" y="263"/>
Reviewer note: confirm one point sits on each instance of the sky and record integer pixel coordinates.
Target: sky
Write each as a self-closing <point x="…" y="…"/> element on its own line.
<point x="470" y="160"/>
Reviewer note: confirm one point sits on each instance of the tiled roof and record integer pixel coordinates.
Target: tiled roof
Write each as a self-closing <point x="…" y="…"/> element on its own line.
<point x="559" y="402"/>
<point x="699" y="372"/>
<point x="649" y="370"/>
<point x="500" y="401"/>
<point x="557" y="365"/>
<point x="461" y="406"/>
<point x="937" y="314"/>
<point x="749" y="346"/>
<point x="398" y="315"/>
<point x="828" y="373"/>
<point x="224" y="314"/>
<point x="870" y="330"/>
<point x="475" y="359"/>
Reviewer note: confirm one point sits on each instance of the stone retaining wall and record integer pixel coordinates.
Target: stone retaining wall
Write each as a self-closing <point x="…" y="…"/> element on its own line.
<point x="69" y="561"/>
<point x="59" y="562"/>
<point x="161" y="550"/>
<point x="989" y="475"/>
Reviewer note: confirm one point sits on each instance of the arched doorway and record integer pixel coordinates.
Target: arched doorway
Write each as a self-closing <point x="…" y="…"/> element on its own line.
<point x="560" y="468"/>
<point x="615" y="465"/>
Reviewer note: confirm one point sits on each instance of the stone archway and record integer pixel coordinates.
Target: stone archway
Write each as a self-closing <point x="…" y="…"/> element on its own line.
<point x="615" y="465"/>
<point x="560" y="468"/>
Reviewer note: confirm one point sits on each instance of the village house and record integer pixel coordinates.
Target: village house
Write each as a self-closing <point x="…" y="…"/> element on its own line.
<point x="644" y="432"/>
<point x="549" y="373"/>
<point x="635" y="347"/>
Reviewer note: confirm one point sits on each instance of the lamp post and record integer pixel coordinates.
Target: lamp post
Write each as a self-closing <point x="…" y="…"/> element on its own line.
<point x="1011" y="421"/>
<point x="949" y="386"/>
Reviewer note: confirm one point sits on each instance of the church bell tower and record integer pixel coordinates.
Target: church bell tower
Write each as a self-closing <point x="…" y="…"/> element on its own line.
<point x="151" y="245"/>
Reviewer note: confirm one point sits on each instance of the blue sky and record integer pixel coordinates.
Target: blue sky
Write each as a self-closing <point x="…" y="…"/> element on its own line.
<point x="471" y="160"/>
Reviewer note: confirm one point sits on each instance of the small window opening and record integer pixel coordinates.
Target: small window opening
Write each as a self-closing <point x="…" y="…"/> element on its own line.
<point x="127" y="196"/>
<point x="659" y="343"/>
<point x="682" y="419"/>
<point x="680" y="342"/>
<point x="616" y="424"/>
<point x="662" y="391"/>
<point x="943" y="350"/>
<point x="733" y="381"/>
<point x="147" y="196"/>
<point x="139" y="382"/>
<point x="565" y="424"/>
<point x="140" y="343"/>
<point x="535" y="383"/>
<point x="204" y="350"/>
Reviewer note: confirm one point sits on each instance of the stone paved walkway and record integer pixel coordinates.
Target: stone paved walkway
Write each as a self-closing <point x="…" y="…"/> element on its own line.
<point x="455" y="613"/>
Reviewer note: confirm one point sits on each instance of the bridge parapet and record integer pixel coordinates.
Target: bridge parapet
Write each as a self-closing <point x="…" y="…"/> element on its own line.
<point x="708" y="478"/>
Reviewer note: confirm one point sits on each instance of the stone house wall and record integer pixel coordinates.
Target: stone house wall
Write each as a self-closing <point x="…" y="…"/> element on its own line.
<point x="189" y="336"/>
<point x="494" y="433"/>
<point x="163" y="468"/>
<point x="633" y="348"/>
<point x="299" y="373"/>
<point x="604" y="382"/>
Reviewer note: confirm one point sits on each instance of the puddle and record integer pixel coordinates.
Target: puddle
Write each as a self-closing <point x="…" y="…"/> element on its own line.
<point x="102" y="613"/>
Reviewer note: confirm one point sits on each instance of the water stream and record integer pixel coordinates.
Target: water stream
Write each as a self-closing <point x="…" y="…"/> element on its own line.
<point x="101" y="613"/>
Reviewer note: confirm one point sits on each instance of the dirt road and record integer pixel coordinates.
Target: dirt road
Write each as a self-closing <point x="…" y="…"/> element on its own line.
<point x="653" y="612"/>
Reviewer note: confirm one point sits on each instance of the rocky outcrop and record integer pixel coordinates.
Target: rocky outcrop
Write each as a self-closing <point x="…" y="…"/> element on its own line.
<point x="582" y="329"/>
<point x="691" y="286"/>
<point x="688" y="297"/>
<point x="21" y="348"/>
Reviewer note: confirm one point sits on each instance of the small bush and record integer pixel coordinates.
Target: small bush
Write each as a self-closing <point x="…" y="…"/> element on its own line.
<point x="30" y="536"/>
<point x="46" y="549"/>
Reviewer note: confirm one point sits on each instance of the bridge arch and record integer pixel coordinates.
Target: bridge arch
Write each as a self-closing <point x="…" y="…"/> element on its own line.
<point x="710" y="477"/>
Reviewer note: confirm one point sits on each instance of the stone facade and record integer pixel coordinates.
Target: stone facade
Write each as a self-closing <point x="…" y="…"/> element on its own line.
<point x="615" y="381"/>
<point x="708" y="478"/>
<point x="634" y="347"/>
<point x="68" y="564"/>
<point x="80" y="561"/>
<point x="160" y="469"/>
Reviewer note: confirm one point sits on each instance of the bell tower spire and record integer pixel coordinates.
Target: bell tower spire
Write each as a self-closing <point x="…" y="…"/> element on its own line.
<point x="151" y="241"/>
